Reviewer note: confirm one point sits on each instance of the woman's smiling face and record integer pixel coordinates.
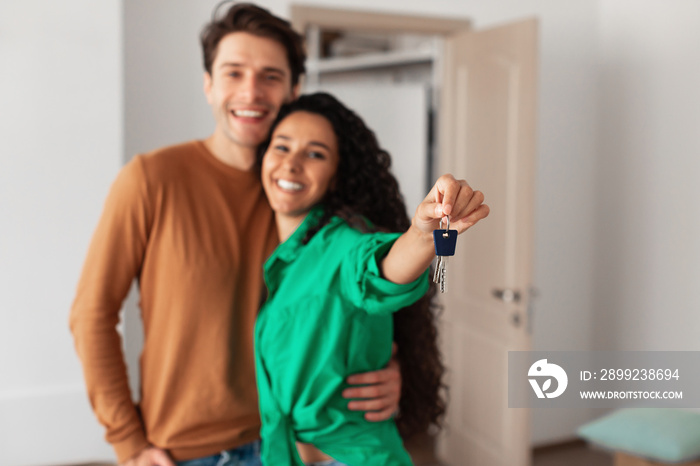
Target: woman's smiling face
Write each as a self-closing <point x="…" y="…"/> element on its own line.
<point x="300" y="163"/>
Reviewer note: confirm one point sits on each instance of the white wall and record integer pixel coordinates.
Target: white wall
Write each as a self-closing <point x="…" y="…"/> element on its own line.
<point x="164" y="102"/>
<point x="61" y="133"/>
<point x="648" y="198"/>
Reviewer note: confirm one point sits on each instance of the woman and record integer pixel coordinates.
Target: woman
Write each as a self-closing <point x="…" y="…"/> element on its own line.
<point x="334" y="282"/>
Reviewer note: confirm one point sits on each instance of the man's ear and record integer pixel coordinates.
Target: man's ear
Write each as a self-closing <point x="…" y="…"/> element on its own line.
<point x="295" y="91"/>
<point x="207" y="86"/>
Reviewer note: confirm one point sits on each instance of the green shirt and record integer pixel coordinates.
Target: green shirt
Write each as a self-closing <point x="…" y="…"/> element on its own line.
<point x="327" y="316"/>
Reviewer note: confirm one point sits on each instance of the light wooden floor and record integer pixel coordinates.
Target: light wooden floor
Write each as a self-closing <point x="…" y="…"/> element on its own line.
<point x="574" y="453"/>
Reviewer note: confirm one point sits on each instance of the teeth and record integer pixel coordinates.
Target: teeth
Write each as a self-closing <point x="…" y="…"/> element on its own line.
<point x="248" y="113"/>
<point x="290" y="185"/>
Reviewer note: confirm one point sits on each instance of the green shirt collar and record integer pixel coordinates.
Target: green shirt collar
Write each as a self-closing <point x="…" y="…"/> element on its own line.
<point x="289" y="250"/>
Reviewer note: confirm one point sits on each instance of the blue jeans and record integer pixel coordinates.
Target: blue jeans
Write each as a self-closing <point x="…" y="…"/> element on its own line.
<point x="245" y="455"/>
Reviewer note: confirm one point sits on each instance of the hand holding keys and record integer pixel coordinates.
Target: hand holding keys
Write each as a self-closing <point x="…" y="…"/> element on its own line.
<point x="449" y="201"/>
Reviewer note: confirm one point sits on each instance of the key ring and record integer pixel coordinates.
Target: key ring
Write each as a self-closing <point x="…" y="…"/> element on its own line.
<point x="446" y="233"/>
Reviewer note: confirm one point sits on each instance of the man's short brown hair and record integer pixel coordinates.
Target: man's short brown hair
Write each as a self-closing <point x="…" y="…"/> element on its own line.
<point x="250" y="18"/>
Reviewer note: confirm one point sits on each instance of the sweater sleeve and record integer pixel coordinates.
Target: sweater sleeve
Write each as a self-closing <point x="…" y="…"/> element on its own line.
<point x="363" y="283"/>
<point x="113" y="260"/>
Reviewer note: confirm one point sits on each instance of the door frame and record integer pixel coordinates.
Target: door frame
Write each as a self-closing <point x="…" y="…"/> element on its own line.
<point x="305" y="15"/>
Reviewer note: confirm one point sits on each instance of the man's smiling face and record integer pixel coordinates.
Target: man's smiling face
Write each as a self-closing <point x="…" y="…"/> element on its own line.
<point x="249" y="82"/>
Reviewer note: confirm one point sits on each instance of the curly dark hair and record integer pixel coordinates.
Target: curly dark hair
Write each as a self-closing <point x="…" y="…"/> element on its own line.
<point x="250" y="18"/>
<point x="366" y="189"/>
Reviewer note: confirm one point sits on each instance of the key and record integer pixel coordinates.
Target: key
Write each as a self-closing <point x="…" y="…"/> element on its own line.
<point x="445" y="245"/>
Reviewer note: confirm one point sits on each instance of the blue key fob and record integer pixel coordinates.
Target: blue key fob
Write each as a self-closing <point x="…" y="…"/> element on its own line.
<point x="445" y="242"/>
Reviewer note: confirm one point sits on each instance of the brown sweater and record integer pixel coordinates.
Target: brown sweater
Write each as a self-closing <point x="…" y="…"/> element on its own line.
<point x="195" y="233"/>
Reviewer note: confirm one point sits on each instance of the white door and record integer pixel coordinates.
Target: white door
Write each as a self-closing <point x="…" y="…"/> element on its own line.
<point x="487" y="136"/>
<point x="398" y="115"/>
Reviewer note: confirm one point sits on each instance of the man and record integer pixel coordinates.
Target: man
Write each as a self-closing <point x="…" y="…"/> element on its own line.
<point x="192" y="224"/>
